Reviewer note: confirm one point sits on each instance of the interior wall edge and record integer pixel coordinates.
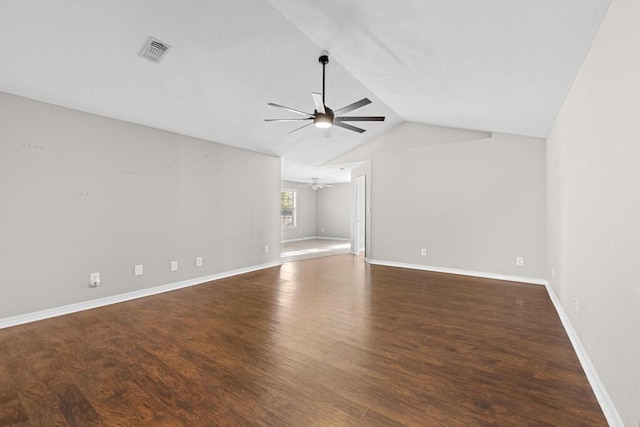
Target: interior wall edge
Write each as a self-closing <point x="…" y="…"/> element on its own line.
<point x="600" y="391"/>
<point x="128" y="296"/>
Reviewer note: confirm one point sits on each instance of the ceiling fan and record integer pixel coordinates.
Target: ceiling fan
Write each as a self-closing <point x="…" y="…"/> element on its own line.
<point x="315" y="184"/>
<point x="323" y="116"/>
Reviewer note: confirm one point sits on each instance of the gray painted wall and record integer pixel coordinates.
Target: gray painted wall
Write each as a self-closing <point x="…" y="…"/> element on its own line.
<point x="82" y="193"/>
<point x="334" y="211"/>
<point x="306" y="215"/>
<point x="594" y="206"/>
<point x="474" y="205"/>
<point x="406" y="136"/>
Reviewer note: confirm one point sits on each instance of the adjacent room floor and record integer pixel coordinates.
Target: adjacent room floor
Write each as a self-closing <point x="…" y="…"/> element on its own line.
<point x="313" y="248"/>
<point x="326" y="341"/>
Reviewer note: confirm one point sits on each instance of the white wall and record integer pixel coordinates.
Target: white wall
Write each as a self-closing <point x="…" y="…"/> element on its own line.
<point x="594" y="206"/>
<point x="81" y="193"/>
<point x="474" y="205"/>
<point x="334" y="211"/>
<point x="306" y="213"/>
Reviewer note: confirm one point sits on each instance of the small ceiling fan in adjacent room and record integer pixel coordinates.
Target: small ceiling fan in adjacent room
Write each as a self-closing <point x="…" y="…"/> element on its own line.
<point x="323" y="116"/>
<point x="315" y="184"/>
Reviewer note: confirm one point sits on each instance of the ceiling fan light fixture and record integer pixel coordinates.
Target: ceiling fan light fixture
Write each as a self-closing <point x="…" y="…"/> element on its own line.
<point x="323" y="121"/>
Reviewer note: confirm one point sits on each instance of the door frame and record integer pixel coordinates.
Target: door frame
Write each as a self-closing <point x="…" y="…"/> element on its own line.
<point x="359" y="236"/>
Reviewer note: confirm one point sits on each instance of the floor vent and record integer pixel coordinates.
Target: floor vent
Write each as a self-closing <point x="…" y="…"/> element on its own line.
<point x="154" y="50"/>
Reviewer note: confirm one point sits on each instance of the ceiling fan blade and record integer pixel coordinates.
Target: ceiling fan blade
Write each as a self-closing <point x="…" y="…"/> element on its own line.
<point x="301" y="127"/>
<point x="317" y="101"/>
<point x="346" y="126"/>
<point x="287" y="120"/>
<point x="354" y="106"/>
<point x="361" y="119"/>
<point x="293" y="110"/>
<point x="327" y="133"/>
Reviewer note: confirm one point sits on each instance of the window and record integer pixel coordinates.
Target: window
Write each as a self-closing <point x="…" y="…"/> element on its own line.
<point x="287" y="208"/>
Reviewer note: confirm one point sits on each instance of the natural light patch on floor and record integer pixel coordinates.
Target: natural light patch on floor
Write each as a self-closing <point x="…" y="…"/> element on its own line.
<point x="303" y="249"/>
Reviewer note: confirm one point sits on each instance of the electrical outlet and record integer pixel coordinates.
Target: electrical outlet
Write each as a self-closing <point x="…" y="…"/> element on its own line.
<point x="138" y="270"/>
<point x="300" y="231"/>
<point x="174" y="265"/>
<point x="575" y="301"/>
<point x="519" y="260"/>
<point x="322" y="230"/>
<point x="94" y="280"/>
<point x="423" y="252"/>
<point x="199" y="261"/>
<point x="266" y="249"/>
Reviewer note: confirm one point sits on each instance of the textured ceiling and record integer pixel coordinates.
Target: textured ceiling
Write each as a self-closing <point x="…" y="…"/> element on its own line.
<point x="500" y="65"/>
<point x="503" y="65"/>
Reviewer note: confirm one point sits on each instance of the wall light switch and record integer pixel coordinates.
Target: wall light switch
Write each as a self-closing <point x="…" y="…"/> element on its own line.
<point x="174" y="265"/>
<point x="199" y="261"/>
<point x="138" y="270"/>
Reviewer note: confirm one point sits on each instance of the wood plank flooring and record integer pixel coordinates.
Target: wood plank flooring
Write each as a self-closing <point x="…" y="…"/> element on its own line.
<point x="322" y="342"/>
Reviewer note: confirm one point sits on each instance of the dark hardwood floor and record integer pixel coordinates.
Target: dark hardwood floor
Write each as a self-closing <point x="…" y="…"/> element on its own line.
<point x="328" y="341"/>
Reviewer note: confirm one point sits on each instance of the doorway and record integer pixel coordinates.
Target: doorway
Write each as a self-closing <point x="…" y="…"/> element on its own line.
<point x="359" y="226"/>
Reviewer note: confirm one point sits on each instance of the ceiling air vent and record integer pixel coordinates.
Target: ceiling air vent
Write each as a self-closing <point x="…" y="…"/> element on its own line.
<point x="154" y="50"/>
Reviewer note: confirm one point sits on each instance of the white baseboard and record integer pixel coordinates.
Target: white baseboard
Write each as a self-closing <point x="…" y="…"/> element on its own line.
<point x="346" y="239"/>
<point x="523" y="279"/>
<point x="298" y="240"/>
<point x="100" y="302"/>
<point x="606" y="404"/>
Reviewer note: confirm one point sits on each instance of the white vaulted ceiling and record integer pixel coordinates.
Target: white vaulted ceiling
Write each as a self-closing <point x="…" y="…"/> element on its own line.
<point x="503" y="65"/>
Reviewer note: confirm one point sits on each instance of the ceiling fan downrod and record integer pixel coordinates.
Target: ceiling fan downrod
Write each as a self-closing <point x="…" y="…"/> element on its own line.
<point x="324" y="59"/>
